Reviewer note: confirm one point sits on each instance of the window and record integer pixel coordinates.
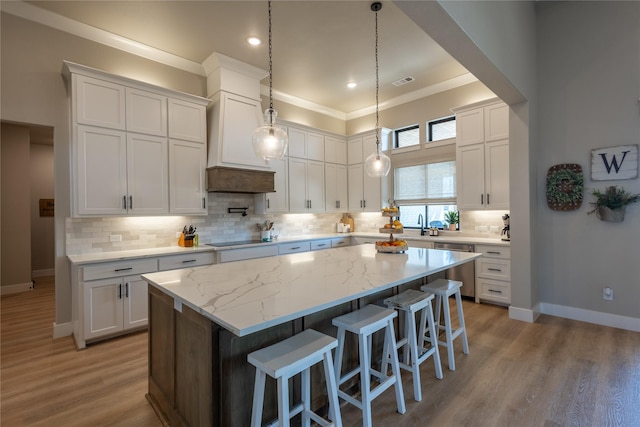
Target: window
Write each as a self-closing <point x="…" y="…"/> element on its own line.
<point x="440" y="129"/>
<point x="428" y="190"/>
<point x="406" y="137"/>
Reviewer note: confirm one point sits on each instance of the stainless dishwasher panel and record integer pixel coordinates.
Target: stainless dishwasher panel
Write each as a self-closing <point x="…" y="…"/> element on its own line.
<point x="465" y="273"/>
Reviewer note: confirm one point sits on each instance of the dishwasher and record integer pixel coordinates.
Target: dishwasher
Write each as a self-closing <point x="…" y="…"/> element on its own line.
<point x="465" y="273"/>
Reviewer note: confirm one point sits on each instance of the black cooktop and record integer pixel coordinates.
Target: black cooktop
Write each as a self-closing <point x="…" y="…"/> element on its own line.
<point x="236" y="243"/>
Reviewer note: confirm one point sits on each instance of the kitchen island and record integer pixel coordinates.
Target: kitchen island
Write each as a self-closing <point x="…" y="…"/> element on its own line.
<point x="203" y="321"/>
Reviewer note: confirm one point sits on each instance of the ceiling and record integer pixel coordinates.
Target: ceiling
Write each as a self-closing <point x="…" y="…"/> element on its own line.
<point x="318" y="46"/>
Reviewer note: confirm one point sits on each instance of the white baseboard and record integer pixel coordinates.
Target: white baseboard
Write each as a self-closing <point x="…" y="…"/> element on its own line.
<point x="524" y="314"/>
<point x="590" y="316"/>
<point x="62" y="330"/>
<point x="17" y="288"/>
<point x="47" y="272"/>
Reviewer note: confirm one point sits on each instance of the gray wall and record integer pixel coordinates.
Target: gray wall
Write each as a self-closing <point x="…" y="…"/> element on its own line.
<point x="42" y="227"/>
<point x="589" y="79"/>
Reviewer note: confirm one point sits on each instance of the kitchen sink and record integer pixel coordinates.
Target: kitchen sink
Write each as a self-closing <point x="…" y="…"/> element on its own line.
<point x="236" y="243"/>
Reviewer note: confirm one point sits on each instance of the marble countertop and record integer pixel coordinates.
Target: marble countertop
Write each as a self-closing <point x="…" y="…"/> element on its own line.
<point x="248" y="296"/>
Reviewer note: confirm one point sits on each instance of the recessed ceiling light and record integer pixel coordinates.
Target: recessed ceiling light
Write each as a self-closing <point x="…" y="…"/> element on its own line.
<point x="351" y="85"/>
<point x="254" y="41"/>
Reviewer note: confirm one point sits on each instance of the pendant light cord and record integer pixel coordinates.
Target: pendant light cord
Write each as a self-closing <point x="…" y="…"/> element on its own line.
<point x="377" y="88"/>
<point x="270" y="63"/>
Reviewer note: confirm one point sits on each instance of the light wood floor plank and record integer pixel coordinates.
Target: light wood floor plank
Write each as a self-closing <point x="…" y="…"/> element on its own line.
<point x="555" y="372"/>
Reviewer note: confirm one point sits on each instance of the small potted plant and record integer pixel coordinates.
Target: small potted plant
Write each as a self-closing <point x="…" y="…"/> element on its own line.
<point x="453" y="219"/>
<point x="610" y="205"/>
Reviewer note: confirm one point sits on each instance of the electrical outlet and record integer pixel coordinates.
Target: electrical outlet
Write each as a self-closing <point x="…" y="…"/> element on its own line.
<point x="607" y="294"/>
<point x="115" y="238"/>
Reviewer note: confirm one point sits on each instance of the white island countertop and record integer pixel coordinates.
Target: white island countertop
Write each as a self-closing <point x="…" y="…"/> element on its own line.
<point x="249" y="296"/>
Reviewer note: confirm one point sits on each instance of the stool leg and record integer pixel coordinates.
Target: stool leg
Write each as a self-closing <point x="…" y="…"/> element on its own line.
<point x="337" y="363"/>
<point x="365" y="379"/>
<point x="449" y="335"/>
<point x="434" y="342"/>
<point x="465" y="342"/>
<point x="283" y="402"/>
<point x="332" y="391"/>
<point x="305" y="383"/>
<point x="258" y="398"/>
<point x="390" y="339"/>
<point x="412" y="341"/>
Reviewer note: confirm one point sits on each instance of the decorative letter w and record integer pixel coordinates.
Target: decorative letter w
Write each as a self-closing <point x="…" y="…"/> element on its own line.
<point x="614" y="162"/>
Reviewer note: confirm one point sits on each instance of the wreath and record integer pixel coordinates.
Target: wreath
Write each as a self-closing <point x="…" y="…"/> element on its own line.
<point x="565" y="186"/>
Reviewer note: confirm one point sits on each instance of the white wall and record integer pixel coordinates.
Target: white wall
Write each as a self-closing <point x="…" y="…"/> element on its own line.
<point x="589" y="79"/>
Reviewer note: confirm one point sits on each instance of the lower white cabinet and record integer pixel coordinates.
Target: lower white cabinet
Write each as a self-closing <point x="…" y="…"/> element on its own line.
<point x="114" y="305"/>
<point x="246" y="253"/>
<point x="493" y="274"/>
<point x="293" y="248"/>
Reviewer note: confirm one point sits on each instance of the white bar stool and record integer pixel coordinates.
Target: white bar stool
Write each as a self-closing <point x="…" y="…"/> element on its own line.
<point x="285" y="359"/>
<point x="410" y="302"/>
<point x="364" y="323"/>
<point x="443" y="289"/>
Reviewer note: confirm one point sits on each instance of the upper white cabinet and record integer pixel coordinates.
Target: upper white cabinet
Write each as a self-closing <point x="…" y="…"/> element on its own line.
<point x="306" y="185"/>
<point x="335" y="150"/>
<point x="305" y="144"/>
<point x="232" y="120"/>
<point x="366" y="194"/>
<point x="277" y="202"/>
<point x="120" y="149"/>
<point x="482" y="156"/>
<point x="336" y="188"/>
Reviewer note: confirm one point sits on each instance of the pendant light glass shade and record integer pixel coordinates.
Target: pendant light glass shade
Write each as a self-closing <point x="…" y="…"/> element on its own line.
<point x="270" y="141"/>
<point x="377" y="164"/>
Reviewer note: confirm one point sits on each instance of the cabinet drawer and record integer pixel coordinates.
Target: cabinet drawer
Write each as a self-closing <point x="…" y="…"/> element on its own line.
<point x="493" y="290"/>
<point x="119" y="268"/>
<point x="320" y="244"/>
<point x="294" y="248"/>
<point x="490" y="251"/>
<point x="247" y="253"/>
<point x="499" y="269"/>
<point x="186" y="260"/>
<point x="343" y="241"/>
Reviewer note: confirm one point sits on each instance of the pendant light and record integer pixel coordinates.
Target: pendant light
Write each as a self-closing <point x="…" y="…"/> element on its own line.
<point x="270" y="140"/>
<point x="377" y="164"/>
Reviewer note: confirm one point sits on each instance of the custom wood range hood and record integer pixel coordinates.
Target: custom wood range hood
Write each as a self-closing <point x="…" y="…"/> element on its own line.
<point x="221" y="179"/>
<point x="234" y="113"/>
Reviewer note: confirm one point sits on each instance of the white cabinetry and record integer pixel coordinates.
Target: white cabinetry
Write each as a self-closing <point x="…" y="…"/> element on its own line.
<point x="482" y="156"/>
<point x="336" y="189"/>
<point x="493" y="274"/>
<point x="306" y="144"/>
<point x="366" y="194"/>
<point x="120" y="149"/>
<point x="187" y="162"/>
<point x="306" y="185"/>
<point x="335" y="150"/>
<point x="277" y="202"/>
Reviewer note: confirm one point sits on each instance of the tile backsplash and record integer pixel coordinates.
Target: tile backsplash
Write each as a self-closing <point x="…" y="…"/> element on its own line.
<point x="108" y="234"/>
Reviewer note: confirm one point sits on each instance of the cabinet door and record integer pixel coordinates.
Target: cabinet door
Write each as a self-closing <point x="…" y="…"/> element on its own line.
<point x="187" y="121"/>
<point x="496" y="122"/>
<point x="372" y="190"/>
<point x="315" y="186"/>
<point x="99" y="103"/>
<point x="241" y="116"/>
<point x="470" y="177"/>
<point x="356" y="187"/>
<point x="147" y="174"/>
<point x="336" y="189"/>
<point x="135" y="302"/>
<point x="146" y="112"/>
<point x="297" y="185"/>
<point x="335" y="150"/>
<point x="470" y="127"/>
<point x="369" y="146"/>
<point x="315" y="146"/>
<point x="497" y="174"/>
<point x="187" y="164"/>
<point x="101" y="171"/>
<point x="278" y="202"/>
<point x="354" y="151"/>
<point x="102" y="307"/>
<point x="297" y="143"/>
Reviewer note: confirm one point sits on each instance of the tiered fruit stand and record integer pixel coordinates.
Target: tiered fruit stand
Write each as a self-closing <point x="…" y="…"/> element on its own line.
<point x="392" y="245"/>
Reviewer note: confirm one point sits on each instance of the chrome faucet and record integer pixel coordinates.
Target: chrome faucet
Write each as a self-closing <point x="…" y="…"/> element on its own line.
<point x="421" y="224"/>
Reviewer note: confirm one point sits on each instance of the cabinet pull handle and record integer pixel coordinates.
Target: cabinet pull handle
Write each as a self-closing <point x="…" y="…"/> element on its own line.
<point x="364" y="204"/>
<point x="188" y="261"/>
<point x="295" y="247"/>
<point x="482" y="199"/>
<point x="124" y="202"/>
<point x="123" y="269"/>
<point x="493" y="252"/>
<point x="268" y="203"/>
<point x="337" y="204"/>
<point x="488" y="198"/>
<point x="130" y="202"/>
<point x="126" y="290"/>
<point x="494" y="269"/>
<point x="204" y="205"/>
<point x="322" y="244"/>
<point x="360" y="203"/>
<point x="494" y="291"/>
<point x="309" y="204"/>
<point x="120" y="291"/>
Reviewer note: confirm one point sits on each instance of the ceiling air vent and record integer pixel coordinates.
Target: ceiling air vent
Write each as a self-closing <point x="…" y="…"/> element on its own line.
<point x="403" y="81"/>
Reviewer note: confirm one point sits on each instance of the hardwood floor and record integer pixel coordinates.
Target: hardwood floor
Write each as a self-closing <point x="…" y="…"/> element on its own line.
<point x="555" y="372"/>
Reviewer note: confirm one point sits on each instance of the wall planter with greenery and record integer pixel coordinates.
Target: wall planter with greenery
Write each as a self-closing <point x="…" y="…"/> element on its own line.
<point x="610" y="205"/>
